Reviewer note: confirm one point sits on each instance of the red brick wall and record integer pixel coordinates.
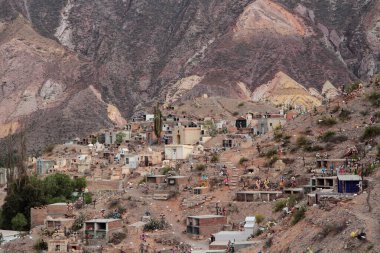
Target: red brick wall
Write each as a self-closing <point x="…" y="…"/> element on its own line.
<point x="57" y="211"/>
<point x="37" y="216"/>
<point x="115" y="225"/>
<point x="212" y="225"/>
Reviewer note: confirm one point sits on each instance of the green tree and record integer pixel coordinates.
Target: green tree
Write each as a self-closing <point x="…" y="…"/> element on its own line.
<point x="157" y="122"/>
<point x="19" y="222"/>
<point x="120" y="137"/>
<point x="79" y="183"/>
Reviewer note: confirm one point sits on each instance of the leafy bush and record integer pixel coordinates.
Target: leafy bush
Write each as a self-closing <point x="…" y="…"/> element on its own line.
<point x="154" y="224"/>
<point x="87" y="198"/>
<point x="241" y="104"/>
<point x="326" y="121"/>
<point x="370" y="132"/>
<point x="165" y="170"/>
<point x="28" y="192"/>
<point x="374" y="98"/>
<point x="243" y="160"/>
<point x="332" y="229"/>
<point x="279" y="205"/>
<point x="302" y="141"/>
<point x="200" y="167"/>
<point x="352" y="87"/>
<point x="299" y="215"/>
<point x="19" y="222"/>
<point x="271" y="161"/>
<point x="293" y="199"/>
<point x="215" y="158"/>
<point x="271" y="153"/>
<point x="235" y="114"/>
<point x="79" y="222"/>
<point x="326" y="137"/>
<point x="259" y="218"/>
<point x="344" y="115"/>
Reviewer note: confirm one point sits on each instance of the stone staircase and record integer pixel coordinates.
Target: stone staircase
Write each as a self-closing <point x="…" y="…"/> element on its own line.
<point x="233" y="172"/>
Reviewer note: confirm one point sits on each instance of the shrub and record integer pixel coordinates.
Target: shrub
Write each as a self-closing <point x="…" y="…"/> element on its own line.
<point x="279" y="205"/>
<point x="241" y="104"/>
<point x="312" y="148"/>
<point x="352" y="87"/>
<point x="154" y="224"/>
<point x="165" y="170"/>
<point x="243" y="160"/>
<point x="268" y="243"/>
<point x="326" y="121"/>
<point x="117" y="237"/>
<point x="79" y="222"/>
<point x="302" y="141"/>
<point x="271" y="161"/>
<point x="49" y="148"/>
<point x="371" y="132"/>
<point x="87" y="198"/>
<point x="374" y="98"/>
<point x="235" y="114"/>
<point x="200" y="167"/>
<point x="215" y="158"/>
<point x="259" y="218"/>
<point x="328" y="136"/>
<point x="271" y="153"/>
<point x="40" y="245"/>
<point x="299" y="215"/>
<point x="364" y="113"/>
<point x="332" y="229"/>
<point x="19" y="222"/>
<point x="344" y="115"/>
<point x="293" y="199"/>
<point x="335" y="109"/>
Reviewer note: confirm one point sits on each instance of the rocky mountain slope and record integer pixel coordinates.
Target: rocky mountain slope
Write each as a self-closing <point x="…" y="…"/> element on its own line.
<point x="136" y="52"/>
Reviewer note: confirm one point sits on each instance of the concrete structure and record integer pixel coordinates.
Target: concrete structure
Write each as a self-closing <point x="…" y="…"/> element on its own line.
<point x="252" y="196"/>
<point x="110" y="137"/>
<point x="150" y="158"/>
<point x="58" y="223"/>
<point x="178" y="152"/>
<point x="9" y="235"/>
<point x="323" y="182"/>
<point x="57" y="210"/>
<point x="132" y="161"/>
<point x="263" y="124"/>
<point x="349" y="183"/>
<point x="222" y="245"/>
<point x="44" y="166"/>
<point x="58" y="245"/>
<point x="37" y="216"/>
<point x="155" y="179"/>
<point x="205" y="224"/>
<point x="249" y="227"/>
<point x="200" y="190"/>
<point x="334" y="163"/>
<point x="177" y="180"/>
<point x="101" y="229"/>
<point x="186" y="135"/>
<point x="293" y="191"/>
